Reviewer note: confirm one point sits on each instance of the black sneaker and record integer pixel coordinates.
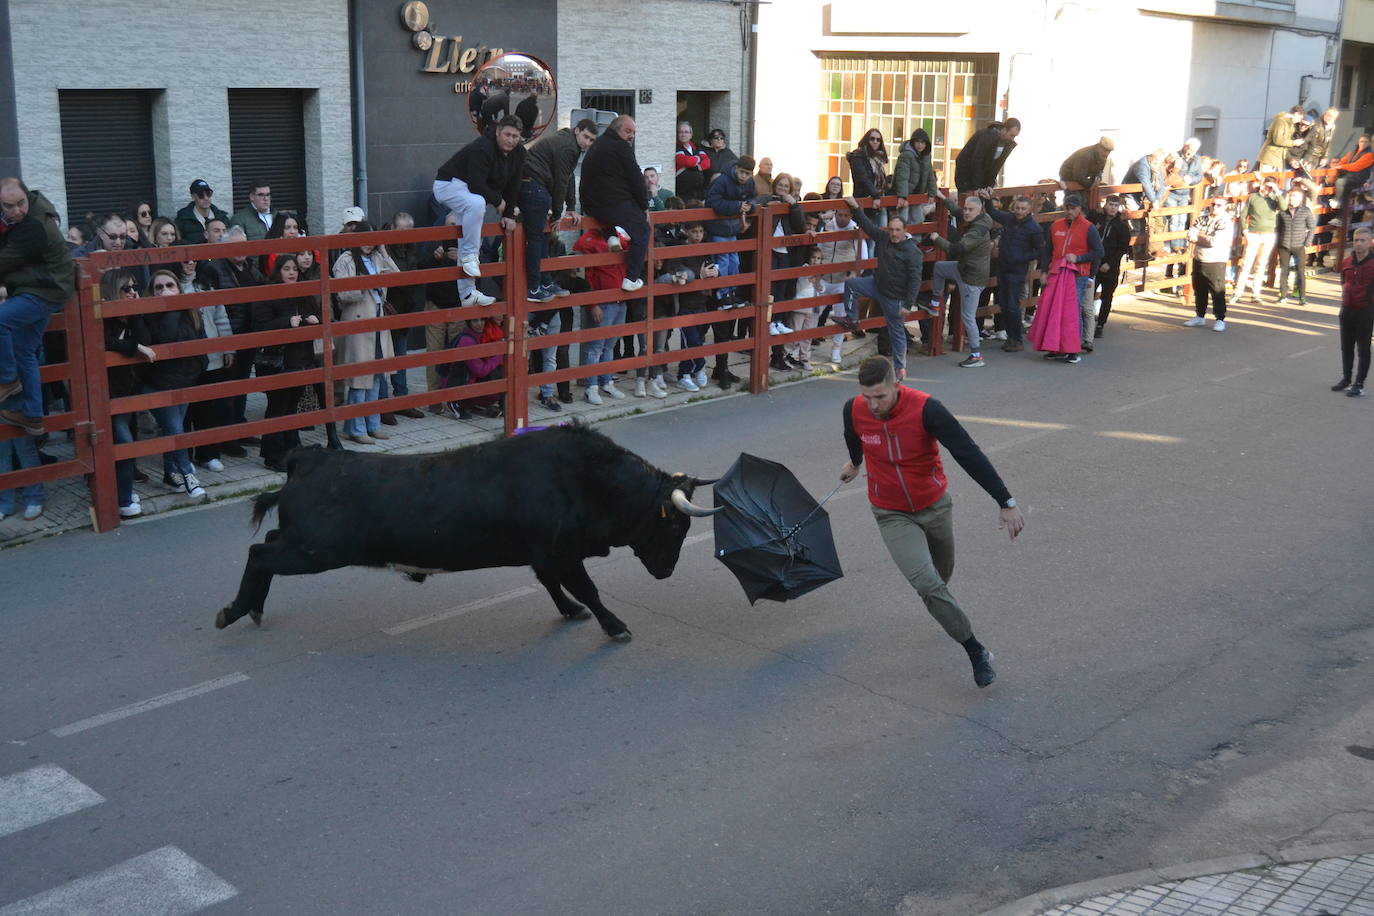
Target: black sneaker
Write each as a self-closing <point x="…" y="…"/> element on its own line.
<point x="983" y="673"/>
<point x="174" y="480"/>
<point x="1097" y="334"/>
<point x="1073" y="358"/>
<point x="1356" y="391"/>
<point x="1053" y="355"/>
<point x="973" y="362"/>
<point x="1341" y="385"/>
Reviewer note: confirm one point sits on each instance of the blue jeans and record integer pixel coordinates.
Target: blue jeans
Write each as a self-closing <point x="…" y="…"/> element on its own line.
<point x="23" y="319"/>
<point x="948" y="272"/>
<point x="121" y="425"/>
<point x="535" y="202"/>
<point x="395" y="383"/>
<point x="171" y="421"/>
<point x="549" y="355"/>
<point x="1087" y="321"/>
<point x="867" y="287"/>
<point x="727" y="264"/>
<point x="599" y="351"/>
<point x="691" y="337"/>
<point x="369" y="424"/>
<point x="17" y="455"/>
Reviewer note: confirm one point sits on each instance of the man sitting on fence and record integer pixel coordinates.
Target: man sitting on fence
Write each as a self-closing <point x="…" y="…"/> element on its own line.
<point x="36" y="267"/>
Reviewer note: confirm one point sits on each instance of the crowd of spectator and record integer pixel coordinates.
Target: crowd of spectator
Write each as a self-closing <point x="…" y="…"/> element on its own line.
<point x="548" y="184"/>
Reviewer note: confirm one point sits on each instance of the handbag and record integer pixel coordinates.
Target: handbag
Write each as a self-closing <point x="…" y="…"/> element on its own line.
<point x="308" y="400"/>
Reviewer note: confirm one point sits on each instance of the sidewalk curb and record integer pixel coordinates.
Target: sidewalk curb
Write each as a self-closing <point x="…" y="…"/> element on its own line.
<point x="1039" y="902"/>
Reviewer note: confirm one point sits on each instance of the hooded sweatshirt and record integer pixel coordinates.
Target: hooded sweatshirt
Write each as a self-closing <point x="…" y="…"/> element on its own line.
<point x="914" y="172"/>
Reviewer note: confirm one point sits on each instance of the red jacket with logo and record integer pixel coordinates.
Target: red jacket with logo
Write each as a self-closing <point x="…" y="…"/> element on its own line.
<point x="903" y="451"/>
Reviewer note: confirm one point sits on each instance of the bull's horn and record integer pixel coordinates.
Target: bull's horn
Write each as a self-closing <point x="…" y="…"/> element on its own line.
<point x="687" y="507"/>
<point x="703" y="481"/>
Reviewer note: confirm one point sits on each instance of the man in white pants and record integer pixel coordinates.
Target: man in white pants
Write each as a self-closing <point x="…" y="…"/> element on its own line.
<point x="484" y="173"/>
<point x="1260" y="220"/>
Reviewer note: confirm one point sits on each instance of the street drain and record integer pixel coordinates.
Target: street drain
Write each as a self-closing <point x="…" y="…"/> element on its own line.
<point x="1364" y="753"/>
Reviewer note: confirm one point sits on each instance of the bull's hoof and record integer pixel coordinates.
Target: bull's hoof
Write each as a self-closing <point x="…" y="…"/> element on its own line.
<point x="256" y="617"/>
<point x="622" y="636"/>
<point x="222" y="619"/>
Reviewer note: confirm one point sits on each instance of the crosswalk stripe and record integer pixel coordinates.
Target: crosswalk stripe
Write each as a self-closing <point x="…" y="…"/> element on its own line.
<point x="41" y="794"/>
<point x="165" y="881"/>
<point x="157" y="702"/>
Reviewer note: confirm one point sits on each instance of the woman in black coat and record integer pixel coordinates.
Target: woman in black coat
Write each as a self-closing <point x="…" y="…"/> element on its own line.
<point x="279" y="315"/>
<point x="868" y="167"/>
<point x="168" y="374"/>
<point x="127" y="336"/>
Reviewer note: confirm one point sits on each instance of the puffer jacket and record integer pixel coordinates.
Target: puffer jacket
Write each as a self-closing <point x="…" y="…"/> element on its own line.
<point x="725" y="195"/>
<point x="1294" y="228"/>
<point x="914" y="172"/>
<point x="34" y="257"/>
<point x="899" y="266"/>
<point x="973" y="250"/>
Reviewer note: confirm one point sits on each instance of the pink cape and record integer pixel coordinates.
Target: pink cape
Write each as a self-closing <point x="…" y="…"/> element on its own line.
<point x="1056" y="326"/>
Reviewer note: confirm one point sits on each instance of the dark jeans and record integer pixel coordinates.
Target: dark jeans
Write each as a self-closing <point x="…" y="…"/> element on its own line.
<point x="211" y="414"/>
<point x="633" y="220"/>
<point x="1209" y="281"/>
<point x="692" y="337"/>
<point x="281" y="402"/>
<point x="242" y="369"/>
<point x="1009" y="286"/>
<point x="1291" y="259"/>
<point x="1357" y="326"/>
<point x="1106" y="286"/>
<point x="535" y="202"/>
<point x="122" y="425"/>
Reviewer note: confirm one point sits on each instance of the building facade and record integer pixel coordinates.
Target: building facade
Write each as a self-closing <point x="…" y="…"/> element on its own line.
<point x="1148" y="73"/>
<point x="333" y="102"/>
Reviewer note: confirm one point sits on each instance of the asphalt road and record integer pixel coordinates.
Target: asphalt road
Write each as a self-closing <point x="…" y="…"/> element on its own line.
<point x="1182" y="632"/>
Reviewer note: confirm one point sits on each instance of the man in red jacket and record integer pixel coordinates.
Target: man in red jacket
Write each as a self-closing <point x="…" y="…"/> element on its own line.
<point x="1357" y="314"/>
<point x="899" y="430"/>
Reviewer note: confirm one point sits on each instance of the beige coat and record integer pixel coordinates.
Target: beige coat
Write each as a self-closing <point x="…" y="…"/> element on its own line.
<point x="358" y="304"/>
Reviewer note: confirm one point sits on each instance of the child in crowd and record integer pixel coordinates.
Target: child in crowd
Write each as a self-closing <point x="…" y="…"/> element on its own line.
<point x="798" y="353"/>
<point x="609" y="315"/>
<point x="691" y="373"/>
<point x="477" y="369"/>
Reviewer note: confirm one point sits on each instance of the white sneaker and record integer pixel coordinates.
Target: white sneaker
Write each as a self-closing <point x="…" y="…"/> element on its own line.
<point x="132" y="510"/>
<point x="472" y="267"/>
<point x="640" y="391"/>
<point x="836" y="354"/>
<point x="609" y="388"/>
<point x="193" y="487"/>
<point x="1000" y="335"/>
<point x="613" y="242"/>
<point x="593" y="395"/>
<point x="136" y="499"/>
<point x="1194" y="322"/>
<point x="214" y="464"/>
<point x="656" y="387"/>
<point x="1219" y="326"/>
<point x="631" y="286"/>
<point x="476" y="297"/>
<point x="686" y="384"/>
<point x="700" y="378"/>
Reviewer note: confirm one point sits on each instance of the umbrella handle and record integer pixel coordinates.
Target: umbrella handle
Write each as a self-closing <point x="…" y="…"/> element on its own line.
<point x="802" y="524"/>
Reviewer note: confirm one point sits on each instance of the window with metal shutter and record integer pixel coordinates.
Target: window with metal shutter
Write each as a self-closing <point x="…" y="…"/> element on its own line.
<point x="107" y="150"/>
<point x="267" y="143"/>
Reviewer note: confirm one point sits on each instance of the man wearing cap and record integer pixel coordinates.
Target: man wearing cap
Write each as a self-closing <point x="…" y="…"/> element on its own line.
<point x="256" y="218"/>
<point x="1084" y="167"/>
<point x="1075" y="239"/>
<point x="191" y="219"/>
<point x="353" y="219"/>
<point x="723" y="158"/>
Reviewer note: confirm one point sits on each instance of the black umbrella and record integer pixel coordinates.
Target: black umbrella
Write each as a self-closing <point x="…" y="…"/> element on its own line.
<point x="772" y="535"/>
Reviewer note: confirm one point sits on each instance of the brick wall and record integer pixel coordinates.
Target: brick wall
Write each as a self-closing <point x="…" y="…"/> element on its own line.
<point x="194" y="52"/>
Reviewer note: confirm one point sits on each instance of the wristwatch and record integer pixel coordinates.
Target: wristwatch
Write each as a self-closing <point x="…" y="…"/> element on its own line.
<point x="1010" y="503"/>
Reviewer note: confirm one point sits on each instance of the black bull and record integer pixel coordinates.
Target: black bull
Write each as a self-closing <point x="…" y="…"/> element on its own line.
<point x="547" y="500"/>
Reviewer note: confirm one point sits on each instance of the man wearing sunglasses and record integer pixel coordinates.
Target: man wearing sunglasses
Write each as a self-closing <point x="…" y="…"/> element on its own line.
<point x="36" y="268"/>
<point x="191" y="219"/>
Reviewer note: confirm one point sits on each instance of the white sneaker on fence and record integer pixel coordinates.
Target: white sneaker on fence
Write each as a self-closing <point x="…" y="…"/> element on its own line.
<point x="474" y="297"/>
<point x="472" y="267"/>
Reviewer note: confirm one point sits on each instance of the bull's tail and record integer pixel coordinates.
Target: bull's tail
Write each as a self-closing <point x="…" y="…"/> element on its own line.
<point x="262" y="504"/>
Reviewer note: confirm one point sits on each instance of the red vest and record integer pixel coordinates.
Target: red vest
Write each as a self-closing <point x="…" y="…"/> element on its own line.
<point x="904" y="469"/>
<point x="1071" y="239"/>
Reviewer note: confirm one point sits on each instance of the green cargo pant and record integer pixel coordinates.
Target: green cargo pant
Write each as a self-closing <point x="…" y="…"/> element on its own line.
<point x="922" y="546"/>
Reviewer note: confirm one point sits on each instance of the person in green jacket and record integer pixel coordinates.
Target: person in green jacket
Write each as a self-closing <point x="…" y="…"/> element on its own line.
<point x="36" y="270"/>
<point x="915" y="174"/>
<point x="1259" y="219"/>
<point x="191" y="219"/>
<point x="968" y="267"/>
<point x="256" y="218"/>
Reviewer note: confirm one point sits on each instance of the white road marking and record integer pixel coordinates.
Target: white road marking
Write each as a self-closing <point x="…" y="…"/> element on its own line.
<point x="165" y="881"/>
<point x="166" y="699"/>
<point x="1305" y="352"/>
<point x="41" y="794"/>
<point x="1236" y="374"/>
<point x="1138" y="437"/>
<point x="1125" y="407"/>
<point x="416" y="623"/>
<point x="1020" y="440"/>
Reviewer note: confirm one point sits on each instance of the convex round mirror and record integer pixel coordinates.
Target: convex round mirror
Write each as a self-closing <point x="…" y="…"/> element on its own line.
<point x="514" y="84"/>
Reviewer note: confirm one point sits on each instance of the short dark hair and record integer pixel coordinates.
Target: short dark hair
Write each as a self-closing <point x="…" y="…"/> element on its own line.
<point x="1114" y="199"/>
<point x="745" y="162"/>
<point x="697" y="225"/>
<point x="1011" y="124"/>
<point x="586" y="124"/>
<point x="875" y="370"/>
<point x="715" y="132"/>
<point x="256" y="183"/>
<point x="510" y="121"/>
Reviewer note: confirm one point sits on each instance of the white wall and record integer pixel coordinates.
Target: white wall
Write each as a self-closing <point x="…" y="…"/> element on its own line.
<point x="186" y="50"/>
<point x="663" y="45"/>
